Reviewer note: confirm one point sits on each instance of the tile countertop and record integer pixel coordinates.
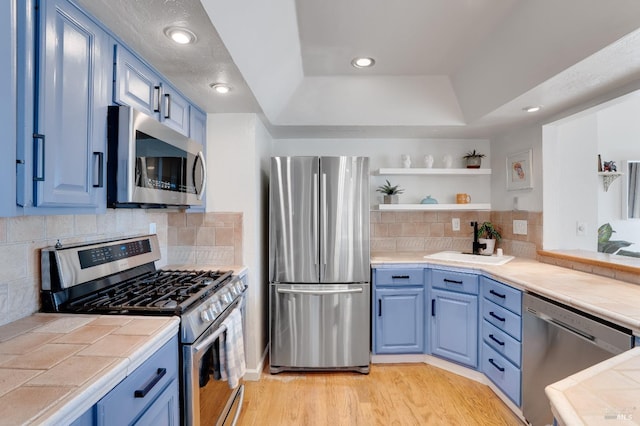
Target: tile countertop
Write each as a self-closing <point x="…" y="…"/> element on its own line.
<point x="607" y="391"/>
<point x="53" y="367"/>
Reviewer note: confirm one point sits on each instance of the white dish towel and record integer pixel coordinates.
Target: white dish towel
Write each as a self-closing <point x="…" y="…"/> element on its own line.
<point x="232" y="364"/>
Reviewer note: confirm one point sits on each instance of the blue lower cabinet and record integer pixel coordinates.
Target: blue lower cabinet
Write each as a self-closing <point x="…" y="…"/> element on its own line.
<point x="501" y="372"/>
<point x="454" y="327"/>
<point x="399" y="320"/>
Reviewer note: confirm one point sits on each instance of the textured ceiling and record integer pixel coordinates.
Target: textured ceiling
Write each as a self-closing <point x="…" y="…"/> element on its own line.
<point x="445" y="68"/>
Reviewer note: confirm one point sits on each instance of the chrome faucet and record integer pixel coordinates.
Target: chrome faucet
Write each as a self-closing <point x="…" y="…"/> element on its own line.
<point x="476" y="245"/>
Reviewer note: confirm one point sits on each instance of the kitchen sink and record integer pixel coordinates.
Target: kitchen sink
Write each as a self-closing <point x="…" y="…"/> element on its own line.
<point x="456" y="256"/>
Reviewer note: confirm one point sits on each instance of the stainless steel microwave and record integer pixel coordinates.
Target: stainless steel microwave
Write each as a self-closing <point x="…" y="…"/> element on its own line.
<point x="150" y="164"/>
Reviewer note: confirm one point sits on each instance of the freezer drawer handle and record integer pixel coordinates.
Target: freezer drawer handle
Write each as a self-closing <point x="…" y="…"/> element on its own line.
<point x="501" y="296"/>
<point x="400" y="277"/>
<point x="447" y="280"/>
<point x="321" y="292"/>
<point x="492" y="337"/>
<point x="501" y="369"/>
<point x="497" y="317"/>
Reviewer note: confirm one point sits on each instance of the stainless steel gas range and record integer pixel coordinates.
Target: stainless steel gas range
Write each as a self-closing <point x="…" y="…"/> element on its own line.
<point x="120" y="277"/>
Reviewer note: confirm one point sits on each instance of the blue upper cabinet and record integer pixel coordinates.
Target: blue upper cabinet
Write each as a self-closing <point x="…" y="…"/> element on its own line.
<point x="71" y="95"/>
<point x="138" y="86"/>
<point x="198" y="126"/>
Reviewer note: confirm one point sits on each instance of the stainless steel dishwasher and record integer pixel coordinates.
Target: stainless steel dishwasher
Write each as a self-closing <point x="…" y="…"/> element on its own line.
<point x="559" y="341"/>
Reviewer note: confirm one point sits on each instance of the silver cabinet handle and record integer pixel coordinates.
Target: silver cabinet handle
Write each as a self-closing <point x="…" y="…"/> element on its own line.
<point x="167" y="105"/>
<point x="320" y="292"/>
<point x="37" y="155"/>
<point x="156" y="98"/>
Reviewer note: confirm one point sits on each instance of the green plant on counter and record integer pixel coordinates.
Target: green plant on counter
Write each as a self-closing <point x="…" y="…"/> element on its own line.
<point x="387" y="189"/>
<point x="488" y="231"/>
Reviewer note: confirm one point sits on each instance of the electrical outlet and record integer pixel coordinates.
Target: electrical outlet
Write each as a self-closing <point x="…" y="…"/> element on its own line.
<point x="520" y="227"/>
<point x="581" y="228"/>
<point x="152" y="228"/>
<point x="455" y="223"/>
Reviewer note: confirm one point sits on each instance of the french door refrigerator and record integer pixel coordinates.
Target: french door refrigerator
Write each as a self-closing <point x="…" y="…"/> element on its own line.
<point x="319" y="268"/>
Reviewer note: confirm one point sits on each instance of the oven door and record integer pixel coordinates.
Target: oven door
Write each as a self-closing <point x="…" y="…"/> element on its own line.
<point x="207" y="399"/>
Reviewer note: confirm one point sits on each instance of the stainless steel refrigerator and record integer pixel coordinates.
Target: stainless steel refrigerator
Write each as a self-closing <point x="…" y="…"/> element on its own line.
<point x="319" y="269"/>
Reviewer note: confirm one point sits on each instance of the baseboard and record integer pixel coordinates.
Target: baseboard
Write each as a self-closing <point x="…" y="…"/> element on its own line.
<point x="253" y="374"/>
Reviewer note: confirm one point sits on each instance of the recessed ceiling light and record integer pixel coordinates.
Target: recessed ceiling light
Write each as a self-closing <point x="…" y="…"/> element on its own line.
<point x="180" y="35"/>
<point x="363" y="62"/>
<point x="534" y="108"/>
<point x="220" y="87"/>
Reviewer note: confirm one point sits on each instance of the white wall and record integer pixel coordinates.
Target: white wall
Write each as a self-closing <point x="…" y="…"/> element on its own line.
<point x="571" y="183"/>
<point x="238" y="148"/>
<point x="573" y="191"/>
<point x="529" y="137"/>
<point x="619" y="140"/>
<point x="387" y="152"/>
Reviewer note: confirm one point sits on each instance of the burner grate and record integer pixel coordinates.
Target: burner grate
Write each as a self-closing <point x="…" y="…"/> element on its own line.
<point x="158" y="292"/>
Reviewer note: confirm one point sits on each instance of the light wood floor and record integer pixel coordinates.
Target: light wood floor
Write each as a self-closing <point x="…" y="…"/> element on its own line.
<point x="407" y="394"/>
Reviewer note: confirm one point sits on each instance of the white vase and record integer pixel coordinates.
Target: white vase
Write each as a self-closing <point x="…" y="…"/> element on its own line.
<point x="491" y="244"/>
<point x="428" y="161"/>
<point x="448" y="161"/>
<point x="406" y="161"/>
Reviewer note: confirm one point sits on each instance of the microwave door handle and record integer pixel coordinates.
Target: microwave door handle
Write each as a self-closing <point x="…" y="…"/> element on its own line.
<point x="204" y="175"/>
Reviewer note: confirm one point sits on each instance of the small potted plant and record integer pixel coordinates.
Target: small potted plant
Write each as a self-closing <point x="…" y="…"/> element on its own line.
<point x="473" y="159"/>
<point x="488" y="234"/>
<point x="390" y="192"/>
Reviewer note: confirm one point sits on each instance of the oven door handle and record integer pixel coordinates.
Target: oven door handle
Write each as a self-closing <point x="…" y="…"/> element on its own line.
<point x="206" y="343"/>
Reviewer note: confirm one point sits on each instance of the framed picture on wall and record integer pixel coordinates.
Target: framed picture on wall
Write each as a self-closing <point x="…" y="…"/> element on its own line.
<point x="519" y="171"/>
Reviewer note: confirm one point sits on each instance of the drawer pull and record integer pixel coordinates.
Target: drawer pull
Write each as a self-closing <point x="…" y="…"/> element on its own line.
<point x="496" y="340"/>
<point x="141" y="393"/>
<point x="447" y="280"/>
<point x="501" y="369"/>
<point x="496" y="316"/>
<point x="501" y="296"/>
<point x="400" y="277"/>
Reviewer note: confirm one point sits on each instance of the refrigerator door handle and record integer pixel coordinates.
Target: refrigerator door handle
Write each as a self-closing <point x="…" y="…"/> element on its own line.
<point x="320" y="292"/>
<point x="324" y="227"/>
<point x="315" y="218"/>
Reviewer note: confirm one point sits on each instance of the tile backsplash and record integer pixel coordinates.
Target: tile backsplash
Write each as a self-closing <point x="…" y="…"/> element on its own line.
<point x="431" y="231"/>
<point x="194" y="238"/>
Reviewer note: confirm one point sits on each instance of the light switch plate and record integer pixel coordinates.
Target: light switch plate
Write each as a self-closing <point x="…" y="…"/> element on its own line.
<point x="152" y="228"/>
<point x="520" y="227"/>
<point x="455" y="223"/>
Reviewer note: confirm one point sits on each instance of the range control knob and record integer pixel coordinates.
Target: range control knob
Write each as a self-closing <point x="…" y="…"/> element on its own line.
<point x="205" y="316"/>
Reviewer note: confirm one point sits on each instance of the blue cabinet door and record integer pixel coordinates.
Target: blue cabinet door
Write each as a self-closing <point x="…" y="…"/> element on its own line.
<point x="399" y="320"/>
<point x="198" y="126"/>
<point x="136" y="85"/>
<point x="72" y="95"/>
<point x="175" y="110"/>
<point x="454" y="326"/>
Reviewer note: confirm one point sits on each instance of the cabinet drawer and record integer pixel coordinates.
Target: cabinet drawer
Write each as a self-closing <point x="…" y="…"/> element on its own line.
<point x="455" y="281"/>
<point x="501" y="372"/>
<point x="501" y="342"/>
<point x="502" y="295"/>
<point x="413" y="276"/>
<point x="121" y="406"/>
<point x="502" y="318"/>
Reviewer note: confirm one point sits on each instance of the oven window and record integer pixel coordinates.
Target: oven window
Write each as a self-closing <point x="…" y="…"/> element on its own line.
<point x="214" y="393"/>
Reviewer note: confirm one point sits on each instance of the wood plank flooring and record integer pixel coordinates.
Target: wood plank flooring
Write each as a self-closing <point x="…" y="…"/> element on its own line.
<point x="392" y="394"/>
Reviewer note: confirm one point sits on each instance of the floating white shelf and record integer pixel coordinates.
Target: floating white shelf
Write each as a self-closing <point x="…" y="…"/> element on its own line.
<point x="474" y="206"/>
<point x="425" y="171"/>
